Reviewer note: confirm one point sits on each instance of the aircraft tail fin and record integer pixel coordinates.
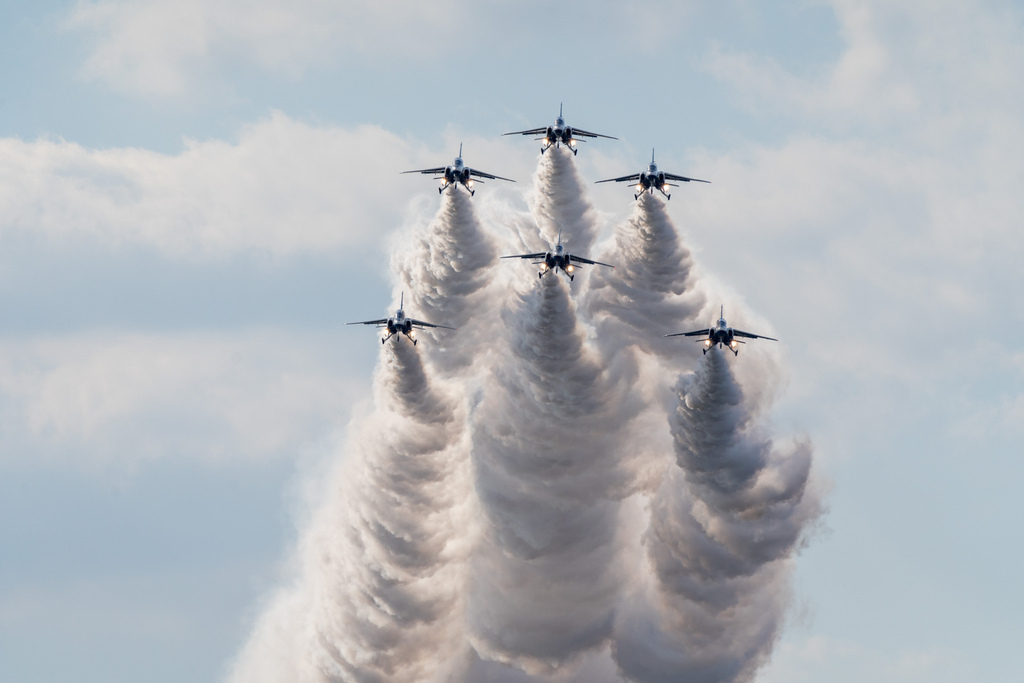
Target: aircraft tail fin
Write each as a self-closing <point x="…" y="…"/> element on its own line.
<point x="460" y="150"/>
<point x="559" y="110"/>
<point x="401" y="302"/>
<point x="652" y="155"/>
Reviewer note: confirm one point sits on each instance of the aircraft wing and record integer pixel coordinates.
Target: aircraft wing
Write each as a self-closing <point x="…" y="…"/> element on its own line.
<point x="748" y="335"/>
<point x="623" y="179"/>
<point x="532" y="131"/>
<point x="420" y="323"/>
<point x="481" y="174"/>
<point x="540" y="255"/>
<point x="588" y="134"/>
<point x="382" y="321"/>
<point x="695" y="333"/>
<point x="580" y="259"/>
<point x="682" y="178"/>
<point x="439" y="169"/>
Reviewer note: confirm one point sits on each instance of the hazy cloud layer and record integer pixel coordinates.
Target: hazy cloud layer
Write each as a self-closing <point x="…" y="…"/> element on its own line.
<point x="274" y="190"/>
<point x="105" y="397"/>
<point x="163" y="48"/>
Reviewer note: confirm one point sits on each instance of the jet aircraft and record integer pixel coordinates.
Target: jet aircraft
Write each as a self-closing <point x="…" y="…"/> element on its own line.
<point x="560" y="133"/>
<point x="721" y="334"/>
<point x="458" y="172"/>
<point x="558" y="258"/>
<point x="652" y="179"/>
<point x="399" y="323"/>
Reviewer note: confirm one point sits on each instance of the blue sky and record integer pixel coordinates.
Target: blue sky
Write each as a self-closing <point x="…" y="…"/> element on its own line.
<point x="194" y="198"/>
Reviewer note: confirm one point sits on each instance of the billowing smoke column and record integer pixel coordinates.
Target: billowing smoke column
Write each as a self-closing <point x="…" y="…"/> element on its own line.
<point x="389" y="602"/>
<point x="723" y="524"/>
<point x="559" y="201"/>
<point x="444" y="269"/>
<point x="549" y="466"/>
<point x="383" y="576"/>
<point x="651" y="291"/>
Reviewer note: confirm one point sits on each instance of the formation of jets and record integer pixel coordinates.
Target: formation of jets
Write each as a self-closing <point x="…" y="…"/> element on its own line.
<point x="560" y="133"/>
<point x="557" y="258"/>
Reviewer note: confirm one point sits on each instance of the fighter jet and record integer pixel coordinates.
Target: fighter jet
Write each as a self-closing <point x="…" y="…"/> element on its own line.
<point x="721" y="334"/>
<point x="652" y="179"/>
<point x="458" y="172"/>
<point x="399" y="323"/>
<point x="558" y="258"/>
<point x="560" y="133"/>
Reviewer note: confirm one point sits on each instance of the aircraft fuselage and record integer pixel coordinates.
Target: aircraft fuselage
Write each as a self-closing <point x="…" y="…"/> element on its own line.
<point x="650" y="180"/>
<point x="399" y="324"/>
<point x="559" y="134"/>
<point x="721" y="335"/>
<point x="557" y="259"/>
<point x="457" y="173"/>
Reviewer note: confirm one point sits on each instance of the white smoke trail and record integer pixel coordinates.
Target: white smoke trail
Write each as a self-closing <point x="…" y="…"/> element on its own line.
<point x="444" y="270"/>
<point x="559" y="201"/>
<point x="546" y="576"/>
<point x="723" y="524"/>
<point x="383" y="576"/>
<point x="652" y="290"/>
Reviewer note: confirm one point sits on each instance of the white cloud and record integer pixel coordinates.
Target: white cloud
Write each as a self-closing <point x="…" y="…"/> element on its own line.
<point x="283" y="187"/>
<point x="166" y="49"/>
<point x="160" y="47"/>
<point x="930" y="69"/>
<point x="106" y="397"/>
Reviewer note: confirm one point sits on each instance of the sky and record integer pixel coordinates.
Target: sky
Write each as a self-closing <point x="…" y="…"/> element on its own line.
<point x="196" y="196"/>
